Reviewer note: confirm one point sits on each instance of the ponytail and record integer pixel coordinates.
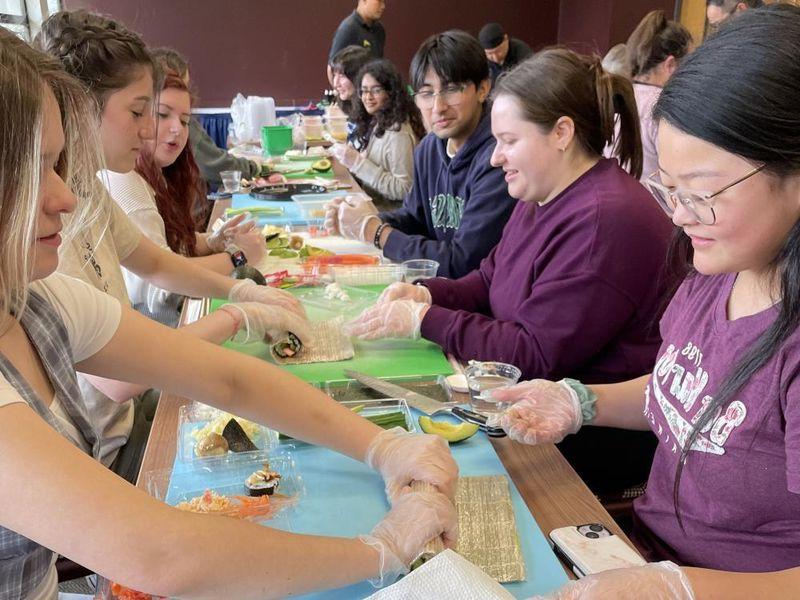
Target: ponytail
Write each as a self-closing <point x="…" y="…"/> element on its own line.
<point x="558" y="82"/>
<point x="615" y="98"/>
<point x="655" y="39"/>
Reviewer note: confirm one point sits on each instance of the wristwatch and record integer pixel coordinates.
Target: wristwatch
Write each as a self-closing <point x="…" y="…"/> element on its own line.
<point x="237" y="256"/>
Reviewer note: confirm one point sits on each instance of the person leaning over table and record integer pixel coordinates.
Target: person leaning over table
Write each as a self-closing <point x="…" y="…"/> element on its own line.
<point x="574" y="288"/>
<point x="458" y="205"/>
<point x="723" y="497"/>
<point x="388" y="127"/>
<point x="503" y="52"/>
<point x="115" y="60"/>
<point x="210" y="158"/>
<point x="56" y="497"/>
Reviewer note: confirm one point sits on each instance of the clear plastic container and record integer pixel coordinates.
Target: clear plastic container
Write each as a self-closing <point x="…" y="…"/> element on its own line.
<point x="368" y="274"/>
<point x="349" y="390"/>
<point x="337" y="127"/>
<point x="312" y="127"/>
<point x="372" y="408"/>
<point x="420" y="268"/>
<point x="197" y="419"/>
<point x="312" y="208"/>
<point x="349" y="304"/>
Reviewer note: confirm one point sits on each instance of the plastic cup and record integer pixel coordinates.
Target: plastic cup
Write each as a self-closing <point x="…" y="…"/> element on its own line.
<point x="482" y="378"/>
<point x="337" y="127"/>
<point x="276" y="139"/>
<point x="231" y="181"/>
<point x="420" y="268"/>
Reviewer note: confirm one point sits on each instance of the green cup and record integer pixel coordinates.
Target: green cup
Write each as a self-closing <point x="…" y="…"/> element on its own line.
<point x="276" y="139"/>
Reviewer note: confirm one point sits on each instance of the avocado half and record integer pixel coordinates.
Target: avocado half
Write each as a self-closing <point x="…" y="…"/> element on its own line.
<point x="248" y="272"/>
<point x="452" y="433"/>
<point x="322" y="165"/>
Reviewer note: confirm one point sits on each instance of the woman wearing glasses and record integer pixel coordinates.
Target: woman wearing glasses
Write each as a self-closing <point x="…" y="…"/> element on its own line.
<point x="388" y="127"/>
<point x="723" y="497"/>
<point x="575" y="286"/>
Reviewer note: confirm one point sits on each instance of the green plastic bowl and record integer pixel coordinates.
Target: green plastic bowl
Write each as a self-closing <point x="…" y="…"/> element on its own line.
<point x="276" y="139"/>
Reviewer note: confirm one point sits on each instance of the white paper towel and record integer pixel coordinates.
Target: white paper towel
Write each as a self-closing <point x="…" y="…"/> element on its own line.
<point x="448" y="576"/>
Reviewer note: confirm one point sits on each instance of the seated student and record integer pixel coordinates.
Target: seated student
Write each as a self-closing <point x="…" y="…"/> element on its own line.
<point x="654" y="50"/>
<point x="723" y="498"/>
<point x="388" y="127"/>
<point x="104" y="51"/>
<point x="458" y="204"/>
<point x="345" y="66"/>
<point x="56" y="498"/>
<point x="210" y="158"/>
<point x="503" y="52"/>
<point x="159" y="197"/>
<point x="574" y="288"/>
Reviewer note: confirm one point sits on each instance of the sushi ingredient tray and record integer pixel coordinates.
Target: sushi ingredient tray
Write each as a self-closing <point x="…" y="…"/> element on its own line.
<point x="336" y="300"/>
<point x="205" y="432"/>
<point x="233" y="486"/>
<point x="367" y="274"/>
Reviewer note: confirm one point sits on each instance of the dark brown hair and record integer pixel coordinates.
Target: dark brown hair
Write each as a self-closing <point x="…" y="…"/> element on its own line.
<point x="178" y="187"/>
<point x="557" y="83"/>
<point x="100" y="52"/>
<point x="655" y="39"/>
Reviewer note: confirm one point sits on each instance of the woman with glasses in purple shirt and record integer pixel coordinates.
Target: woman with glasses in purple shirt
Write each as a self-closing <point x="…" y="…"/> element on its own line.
<point x="723" y="497"/>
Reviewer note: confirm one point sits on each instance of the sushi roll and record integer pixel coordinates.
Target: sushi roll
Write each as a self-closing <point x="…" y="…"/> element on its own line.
<point x="287" y="347"/>
<point x="263" y="482"/>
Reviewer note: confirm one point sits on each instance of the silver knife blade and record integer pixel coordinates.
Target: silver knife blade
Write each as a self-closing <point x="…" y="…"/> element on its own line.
<point x="421" y="403"/>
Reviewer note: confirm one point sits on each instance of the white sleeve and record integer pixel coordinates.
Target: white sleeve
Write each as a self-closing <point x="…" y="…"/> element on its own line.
<point x="90" y="316"/>
<point x="8" y="393"/>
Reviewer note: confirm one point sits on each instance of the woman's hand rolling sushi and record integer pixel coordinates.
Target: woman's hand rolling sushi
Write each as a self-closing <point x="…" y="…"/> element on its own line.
<point x="402" y="457"/>
<point x="247" y="290"/>
<point x="253" y="321"/>
<point x="415" y="519"/>
<point x="405" y="291"/>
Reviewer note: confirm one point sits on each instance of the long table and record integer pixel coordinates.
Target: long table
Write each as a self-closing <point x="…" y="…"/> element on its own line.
<point x="552" y="491"/>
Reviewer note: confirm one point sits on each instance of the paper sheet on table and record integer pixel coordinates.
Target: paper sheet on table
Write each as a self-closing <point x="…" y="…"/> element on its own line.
<point x="448" y="576"/>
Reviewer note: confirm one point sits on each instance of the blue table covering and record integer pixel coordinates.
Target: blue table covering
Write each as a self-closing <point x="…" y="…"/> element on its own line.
<point x="291" y="210"/>
<point x="345" y="498"/>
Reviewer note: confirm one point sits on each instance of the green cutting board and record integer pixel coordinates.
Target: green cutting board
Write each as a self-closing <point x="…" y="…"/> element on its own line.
<point x="379" y="358"/>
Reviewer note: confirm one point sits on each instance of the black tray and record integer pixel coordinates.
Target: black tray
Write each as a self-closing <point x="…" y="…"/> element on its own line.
<point x="285" y="191"/>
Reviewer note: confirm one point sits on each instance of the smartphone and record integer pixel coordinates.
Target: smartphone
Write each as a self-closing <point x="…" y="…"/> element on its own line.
<point x="592" y="548"/>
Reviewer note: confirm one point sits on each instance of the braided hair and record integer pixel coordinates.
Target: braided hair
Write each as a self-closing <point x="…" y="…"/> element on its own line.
<point x="101" y="53"/>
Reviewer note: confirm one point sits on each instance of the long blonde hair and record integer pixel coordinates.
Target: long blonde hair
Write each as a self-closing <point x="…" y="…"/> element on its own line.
<point x="23" y="76"/>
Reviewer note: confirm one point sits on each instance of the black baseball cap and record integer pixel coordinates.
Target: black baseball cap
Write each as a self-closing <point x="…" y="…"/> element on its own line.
<point x="491" y="35"/>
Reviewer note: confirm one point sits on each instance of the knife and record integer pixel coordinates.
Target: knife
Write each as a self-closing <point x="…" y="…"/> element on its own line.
<point x="424" y="404"/>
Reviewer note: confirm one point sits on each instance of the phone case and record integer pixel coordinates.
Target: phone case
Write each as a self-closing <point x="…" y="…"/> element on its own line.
<point x="589" y="555"/>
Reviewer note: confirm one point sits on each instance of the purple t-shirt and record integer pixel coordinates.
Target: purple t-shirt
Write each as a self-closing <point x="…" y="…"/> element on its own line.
<point x="740" y="489"/>
<point x="574" y="288"/>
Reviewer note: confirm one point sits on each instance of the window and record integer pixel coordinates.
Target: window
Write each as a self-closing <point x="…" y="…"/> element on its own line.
<point x="24" y="17"/>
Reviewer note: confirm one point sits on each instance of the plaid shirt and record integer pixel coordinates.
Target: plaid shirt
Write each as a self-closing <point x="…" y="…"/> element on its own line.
<point x="23" y="563"/>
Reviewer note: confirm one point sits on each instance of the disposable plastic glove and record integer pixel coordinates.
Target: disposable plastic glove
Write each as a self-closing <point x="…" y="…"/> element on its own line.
<point x="400" y="538"/>
<point x="217" y="240"/>
<point x="655" y="581"/>
<point x="260" y="322"/>
<point x="354" y="214"/>
<point x="247" y="290"/>
<point x="251" y="242"/>
<point x="397" y="319"/>
<point x="406" y="291"/>
<point x="332" y="216"/>
<point x="402" y="457"/>
<point x="542" y="411"/>
<point x="347" y="155"/>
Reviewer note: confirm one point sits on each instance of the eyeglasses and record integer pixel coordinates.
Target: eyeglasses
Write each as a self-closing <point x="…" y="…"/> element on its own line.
<point x="700" y="204"/>
<point x="452" y="95"/>
<point x="373" y="91"/>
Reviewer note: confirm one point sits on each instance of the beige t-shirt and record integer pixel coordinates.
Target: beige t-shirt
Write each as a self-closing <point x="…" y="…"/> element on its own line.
<point x="94" y="257"/>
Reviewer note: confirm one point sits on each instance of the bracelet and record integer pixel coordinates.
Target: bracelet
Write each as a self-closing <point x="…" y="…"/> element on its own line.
<point x="377" y="240"/>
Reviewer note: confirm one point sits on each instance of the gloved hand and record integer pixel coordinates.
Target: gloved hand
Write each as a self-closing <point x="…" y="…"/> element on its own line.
<point x="402" y="457"/>
<point x="400" y="538"/>
<point x="354" y="214"/>
<point x="541" y="411"/>
<point x="251" y="243"/>
<point x="347" y="155"/>
<point x="261" y="322"/>
<point x="655" y="581"/>
<point x="406" y="291"/>
<point x="398" y="319"/>
<point x="217" y="240"/>
<point x="247" y="290"/>
<point x="332" y="216"/>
